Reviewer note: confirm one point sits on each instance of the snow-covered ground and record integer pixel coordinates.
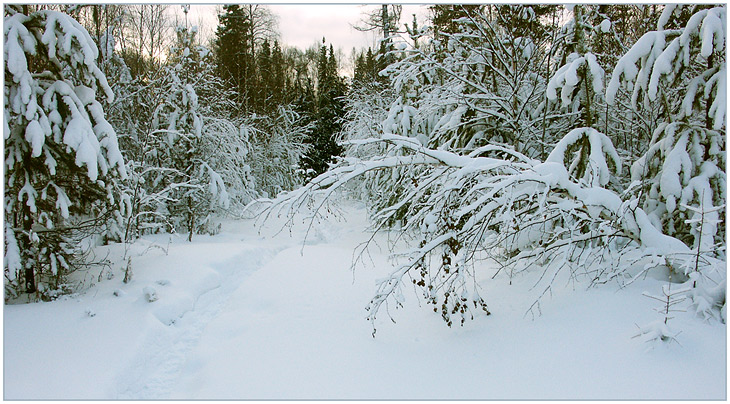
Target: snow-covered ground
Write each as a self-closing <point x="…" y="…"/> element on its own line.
<point x="245" y="316"/>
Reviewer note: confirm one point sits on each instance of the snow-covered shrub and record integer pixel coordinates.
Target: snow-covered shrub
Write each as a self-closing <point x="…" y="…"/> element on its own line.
<point x="61" y="155"/>
<point x="497" y="203"/>
<point x="277" y="145"/>
<point x="477" y="84"/>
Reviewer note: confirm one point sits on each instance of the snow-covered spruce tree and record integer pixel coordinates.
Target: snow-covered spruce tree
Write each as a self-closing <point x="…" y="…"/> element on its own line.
<point x="122" y="115"/>
<point x="682" y="175"/>
<point x="577" y="87"/>
<point x="253" y="154"/>
<point x="129" y="114"/>
<point x="681" y="180"/>
<point x="61" y="155"/>
<point x="145" y="200"/>
<point x="194" y="189"/>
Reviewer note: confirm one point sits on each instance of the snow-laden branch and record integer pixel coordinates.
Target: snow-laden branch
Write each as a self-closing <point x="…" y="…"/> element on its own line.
<point x="521" y="211"/>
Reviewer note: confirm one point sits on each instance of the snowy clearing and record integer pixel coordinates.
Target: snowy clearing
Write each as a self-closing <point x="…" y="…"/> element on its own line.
<point x="244" y="316"/>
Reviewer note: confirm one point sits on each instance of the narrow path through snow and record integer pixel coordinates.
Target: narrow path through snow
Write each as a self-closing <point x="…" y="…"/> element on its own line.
<point x="155" y="368"/>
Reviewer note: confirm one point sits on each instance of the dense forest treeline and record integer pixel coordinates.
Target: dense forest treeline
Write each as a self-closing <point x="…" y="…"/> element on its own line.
<point x="587" y="140"/>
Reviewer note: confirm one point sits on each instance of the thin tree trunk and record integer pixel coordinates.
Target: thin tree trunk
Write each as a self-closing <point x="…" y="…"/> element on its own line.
<point x="30" y="285"/>
<point x="191" y="219"/>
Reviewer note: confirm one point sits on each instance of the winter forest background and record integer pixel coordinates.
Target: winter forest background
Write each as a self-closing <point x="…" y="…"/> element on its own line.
<point x="546" y="144"/>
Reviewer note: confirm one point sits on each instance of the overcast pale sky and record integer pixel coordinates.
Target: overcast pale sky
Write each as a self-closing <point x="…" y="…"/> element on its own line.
<point x="302" y="25"/>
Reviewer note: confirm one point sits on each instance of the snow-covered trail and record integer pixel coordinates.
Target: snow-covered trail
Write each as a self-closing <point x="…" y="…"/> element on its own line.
<point x="124" y="345"/>
<point x="155" y="368"/>
<point x="240" y="316"/>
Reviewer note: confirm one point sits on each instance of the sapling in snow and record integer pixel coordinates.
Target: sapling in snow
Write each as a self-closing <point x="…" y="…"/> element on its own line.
<point x="670" y="300"/>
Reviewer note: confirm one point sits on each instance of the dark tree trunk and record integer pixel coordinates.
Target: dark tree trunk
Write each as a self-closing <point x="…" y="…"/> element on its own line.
<point x="191" y="219"/>
<point x="25" y="244"/>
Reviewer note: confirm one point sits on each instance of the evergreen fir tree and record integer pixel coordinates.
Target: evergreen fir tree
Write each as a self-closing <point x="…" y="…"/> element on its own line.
<point x="234" y="51"/>
<point x="327" y="117"/>
<point x="278" y="85"/>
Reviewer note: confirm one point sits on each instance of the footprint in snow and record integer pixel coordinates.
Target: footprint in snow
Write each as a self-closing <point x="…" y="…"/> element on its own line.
<point x="150" y="294"/>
